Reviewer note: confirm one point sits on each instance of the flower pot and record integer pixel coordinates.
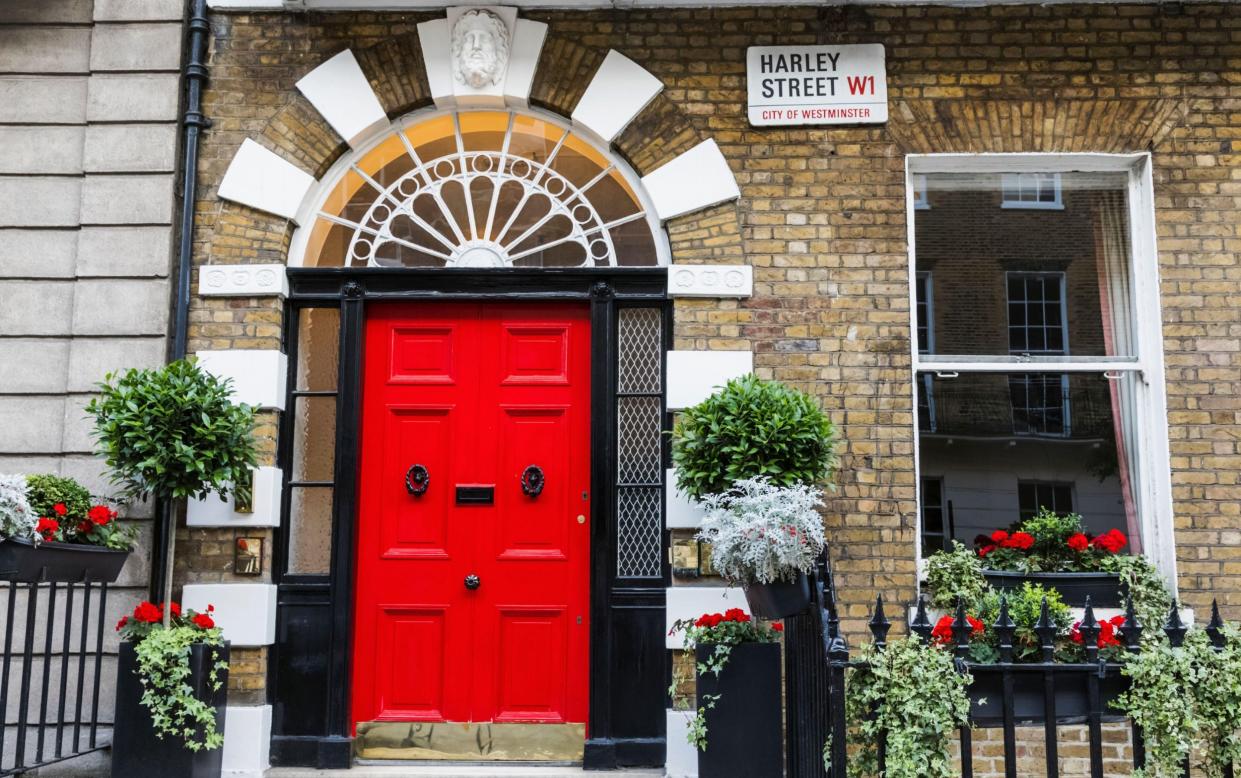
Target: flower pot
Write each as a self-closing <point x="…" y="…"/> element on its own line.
<point x="779" y="600"/>
<point x="744" y="729"/>
<point x="136" y="749"/>
<point x="1071" y="696"/>
<point x="21" y="560"/>
<point x="1103" y="589"/>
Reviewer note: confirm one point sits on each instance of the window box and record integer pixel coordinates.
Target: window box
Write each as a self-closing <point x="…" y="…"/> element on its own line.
<point x="1103" y="589"/>
<point x="53" y="562"/>
<point x="1072" y="701"/>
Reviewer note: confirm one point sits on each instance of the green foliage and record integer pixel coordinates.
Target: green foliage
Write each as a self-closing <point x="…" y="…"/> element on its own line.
<point x="1051" y="532"/>
<point x="913" y="693"/>
<point x="164" y="669"/>
<point x="752" y="428"/>
<point x="173" y="433"/>
<point x="953" y="575"/>
<point x="45" y="491"/>
<point x="1139" y="579"/>
<point x="1187" y="701"/>
<point x="1025" y="605"/>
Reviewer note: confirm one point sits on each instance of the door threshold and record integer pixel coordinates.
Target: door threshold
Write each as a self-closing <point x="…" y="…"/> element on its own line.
<point x="470" y="743"/>
<point x="440" y="770"/>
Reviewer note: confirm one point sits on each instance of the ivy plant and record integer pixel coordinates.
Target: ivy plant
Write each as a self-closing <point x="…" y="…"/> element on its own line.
<point x="174" y="432"/>
<point x="916" y="695"/>
<point x="752" y="428"/>
<point x="955" y="575"/>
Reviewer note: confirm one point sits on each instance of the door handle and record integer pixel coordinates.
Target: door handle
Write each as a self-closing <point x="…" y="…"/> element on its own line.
<point x="417" y="479"/>
<point x="472" y="582"/>
<point x="532" y="481"/>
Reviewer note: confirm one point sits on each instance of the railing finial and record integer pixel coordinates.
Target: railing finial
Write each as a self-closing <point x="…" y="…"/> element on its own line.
<point x="879" y="623"/>
<point x="961" y="630"/>
<point x="1089" y="629"/>
<point x="1046" y="632"/>
<point x="1215" y="628"/>
<point x="1005" y="628"/>
<point x="1175" y="629"/>
<point x="922" y="624"/>
<point x="1131" y="629"/>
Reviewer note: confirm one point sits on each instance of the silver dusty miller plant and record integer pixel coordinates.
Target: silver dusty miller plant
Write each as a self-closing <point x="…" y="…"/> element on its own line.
<point x="763" y="533"/>
<point x="17" y="520"/>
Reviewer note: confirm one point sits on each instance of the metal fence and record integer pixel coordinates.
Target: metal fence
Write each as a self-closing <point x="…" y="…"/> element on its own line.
<point x="51" y="673"/>
<point x="1017" y="694"/>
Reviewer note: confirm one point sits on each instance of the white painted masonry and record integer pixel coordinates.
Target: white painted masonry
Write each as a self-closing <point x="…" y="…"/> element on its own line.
<point x="682" y="512"/>
<point x="339" y="91"/>
<point x="245" y="613"/>
<point x="619" y="91"/>
<point x="261" y="179"/>
<point x="243" y="281"/>
<point x="211" y="511"/>
<point x="695" y="180"/>
<point x="258" y="376"/>
<point x="247" y="741"/>
<point x="686" y="602"/>
<point x="682" y="759"/>
<point x="710" y="281"/>
<point x="694" y="376"/>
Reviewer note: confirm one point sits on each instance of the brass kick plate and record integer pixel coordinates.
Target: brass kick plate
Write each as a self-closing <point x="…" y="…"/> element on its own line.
<point x="454" y="741"/>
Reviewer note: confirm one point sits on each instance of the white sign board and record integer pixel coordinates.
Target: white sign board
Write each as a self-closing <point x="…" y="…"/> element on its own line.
<point x="817" y="84"/>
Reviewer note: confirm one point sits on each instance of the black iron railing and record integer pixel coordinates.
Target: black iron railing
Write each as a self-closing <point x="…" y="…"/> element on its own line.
<point x="1017" y="694"/>
<point x="51" y="673"/>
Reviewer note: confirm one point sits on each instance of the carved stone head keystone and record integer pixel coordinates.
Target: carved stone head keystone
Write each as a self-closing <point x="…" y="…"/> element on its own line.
<point x="480" y="48"/>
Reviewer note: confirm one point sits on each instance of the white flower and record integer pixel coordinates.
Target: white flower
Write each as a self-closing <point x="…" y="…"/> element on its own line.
<point x="17" y="520"/>
<point x="762" y="533"/>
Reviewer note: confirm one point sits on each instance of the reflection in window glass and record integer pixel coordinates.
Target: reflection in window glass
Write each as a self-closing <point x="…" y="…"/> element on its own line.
<point x="318" y="349"/>
<point x="993" y="469"/>
<point x="310" y="531"/>
<point x="314" y="439"/>
<point x="1027" y="281"/>
<point x="935" y="535"/>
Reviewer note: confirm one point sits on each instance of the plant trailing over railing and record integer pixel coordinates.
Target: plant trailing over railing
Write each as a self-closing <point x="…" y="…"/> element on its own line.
<point x="722" y="631"/>
<point x="752" y="428"/>
<point x="163" y="662"/>
<point x="954" y="576"/>
<point x="763" y="533"/>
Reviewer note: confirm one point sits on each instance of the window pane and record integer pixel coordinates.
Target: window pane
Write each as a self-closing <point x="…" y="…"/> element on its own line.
<point x="1003" y="444"/>
<point x="314" y="439"/>
<point x="310" y="530"/>
<point x="1032" y="280"/>
<point x="318" y="349"/>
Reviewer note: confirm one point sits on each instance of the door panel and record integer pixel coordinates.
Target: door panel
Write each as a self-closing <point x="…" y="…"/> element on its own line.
<point x="476" y="394"/>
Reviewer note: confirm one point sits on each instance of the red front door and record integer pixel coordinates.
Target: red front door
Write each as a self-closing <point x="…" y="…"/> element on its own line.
<point x="472" y="596"/>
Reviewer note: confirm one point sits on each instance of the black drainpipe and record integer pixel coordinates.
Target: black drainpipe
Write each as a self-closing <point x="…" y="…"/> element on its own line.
<point x="195" y="77"/>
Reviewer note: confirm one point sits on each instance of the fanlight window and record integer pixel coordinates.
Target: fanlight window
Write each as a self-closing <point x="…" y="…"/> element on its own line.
<point x="482" y="189"/>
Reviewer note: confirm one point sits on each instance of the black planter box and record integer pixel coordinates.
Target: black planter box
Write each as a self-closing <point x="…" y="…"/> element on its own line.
<point x="1071" y="696"/>
<point x="744" y="729"/>
<point x="779" y="600"/>
<point x="136" y="751"/>
<point x="59" y="562"/>
<point x="1103" y="589"/>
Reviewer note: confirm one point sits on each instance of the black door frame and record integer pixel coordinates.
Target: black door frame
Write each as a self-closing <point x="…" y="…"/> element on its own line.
<point x="628" y="662"/>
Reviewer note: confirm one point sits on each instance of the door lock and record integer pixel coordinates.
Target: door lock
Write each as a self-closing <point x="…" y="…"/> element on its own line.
<point x="472" y="582"/>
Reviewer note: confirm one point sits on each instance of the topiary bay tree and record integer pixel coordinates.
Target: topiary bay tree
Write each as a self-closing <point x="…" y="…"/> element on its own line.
<point x="752" y="428"/>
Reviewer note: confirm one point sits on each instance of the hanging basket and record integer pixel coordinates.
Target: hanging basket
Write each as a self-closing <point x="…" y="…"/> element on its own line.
<point x="51" y="562"/>
<point x="779" y="600"/>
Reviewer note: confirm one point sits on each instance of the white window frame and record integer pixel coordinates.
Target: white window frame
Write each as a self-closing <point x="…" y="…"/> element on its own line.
<point x="1011" y="186"/>
<point x="1153" y="496"/>
<point x="920" y="201"/>
<point x="928" y="385"/>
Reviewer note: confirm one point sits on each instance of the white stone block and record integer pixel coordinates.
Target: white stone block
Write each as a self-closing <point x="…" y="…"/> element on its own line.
<point x="123" y="250"/>
<point x="31" y="424"/>
<point x="261" y="179"/>
<point x="247" y="741"/>
<point x="39" y="308"/>
<point x="339" y="91"/>
<point x="523" y="61"/>
<point x="34" y="366"/>
<point x="35" y="149"/>
<point x="130" y="148"/>
<point x="36" y="201"/>
<point x="91" y="359"/>
<point x="127" y="199"/>
<point x="619" y="91"/>
<point x="682" y="512"/>
<point x="244" y="612"/>
<point x="42" y="99"/>
<point x="258" y="376"/>
<point x="693" y="376"/>
<point x="682" y="758"/>
<point x="211" y="511"/>
<point x="435" y="37"/>
<point x="710" y="281"/>
<point x="133" y="47"/>
<point x="690" y="602"/>
<point x="133" y="97"/>
<point x="243" y="281"/>
<point x="692" y="181"/>
<point x="107" y="306"/>
<point x="38" y="253"/>
<point x="44" y="49"/>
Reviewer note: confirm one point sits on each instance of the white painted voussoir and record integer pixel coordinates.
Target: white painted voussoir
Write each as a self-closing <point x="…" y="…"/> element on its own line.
<point x="682" y="512"/>
<point x="245" y="612"/>
<point x="696" y="179"/>
<point x="258" y="376"/>
<point x="340" y="92"/>
<point x="262" y="179"/>
<point x="243" y="281"/>
<point x="693" y="376"/>
<point x="682" y="758"/>
<point x="528" y="37"/>
<point x="247" y="741"/>
<point x="619" y="91"/>
<point x="690" y="602"/>
<point x="710" y="281"/>
<point x="211" y="511"/>
<point x="435" y="38"/>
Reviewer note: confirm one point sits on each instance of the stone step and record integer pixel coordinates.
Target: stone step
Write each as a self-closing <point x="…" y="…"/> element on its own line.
<point x="424" y="770"/>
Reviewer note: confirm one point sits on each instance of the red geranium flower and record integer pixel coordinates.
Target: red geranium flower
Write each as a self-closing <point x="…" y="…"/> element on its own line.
<point x="175" y="608"/>
<point x="1078" y="542"/>
<point x="985" y="550"/>
<point x="85" y="527"/>
<point x="736" y="614"/>
<point x="101" y="514"/>
<point x="778" y="627"/>
<point x="1019" y="540"/>
<point x="1111" y="541"/>
<point x="60" y="509"/>
<point x="942" y="634"/>
<point x="121" y="624"/>
<point x="47" y="527"/>
<point x="203" y="621"/>
<point x="148" y="612"/>
<point x="999" y="536"/>
<point x="1108" y="632"/>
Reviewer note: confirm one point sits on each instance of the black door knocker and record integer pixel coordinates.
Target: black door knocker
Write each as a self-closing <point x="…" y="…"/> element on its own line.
<point x="417" y="479"/>
<point x="532" y="481"/>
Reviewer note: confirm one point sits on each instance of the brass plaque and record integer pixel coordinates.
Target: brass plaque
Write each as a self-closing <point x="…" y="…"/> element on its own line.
<point x="477" y="742"/>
